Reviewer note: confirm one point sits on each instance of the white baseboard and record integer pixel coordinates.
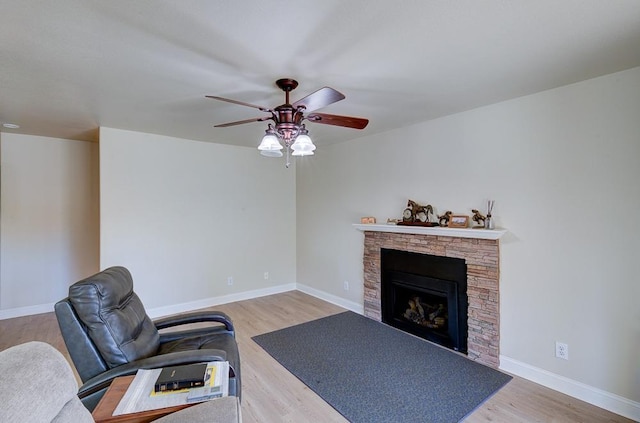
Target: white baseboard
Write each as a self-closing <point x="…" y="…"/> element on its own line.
<point x="330" y="298"/>
<point x="26" y="311"/>
<point x="214" y="301"/>
<point x="603" y="399"/>
<point x="163" y="311"/>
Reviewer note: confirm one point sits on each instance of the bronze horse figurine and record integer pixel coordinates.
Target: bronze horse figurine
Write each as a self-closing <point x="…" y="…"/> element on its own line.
<point x="417" y="209"/>
<point x="443" y="220"/>
<point x="478" y="218"/>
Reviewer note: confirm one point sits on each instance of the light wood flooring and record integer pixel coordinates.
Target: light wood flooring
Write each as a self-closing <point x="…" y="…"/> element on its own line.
<point x="272" y="394"/>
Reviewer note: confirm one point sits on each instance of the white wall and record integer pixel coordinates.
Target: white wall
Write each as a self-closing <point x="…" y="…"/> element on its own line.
<point x="48" y="220"/>
<point x="563" y="166"/>
<point x="184" y="215"/>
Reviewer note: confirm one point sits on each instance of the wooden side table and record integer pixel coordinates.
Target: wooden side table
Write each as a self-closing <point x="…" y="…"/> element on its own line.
<point x="103" y="413"/>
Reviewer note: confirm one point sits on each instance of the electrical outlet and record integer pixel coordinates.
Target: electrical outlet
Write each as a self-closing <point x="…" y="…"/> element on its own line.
<point x="266" y="276"/>
<point x="562" y="350"/>
<point x="230" y="280"/>
<point x="346" y="285"/>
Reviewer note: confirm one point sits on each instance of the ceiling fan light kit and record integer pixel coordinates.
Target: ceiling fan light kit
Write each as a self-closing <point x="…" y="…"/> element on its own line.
<point x="303" y="146"/>
<point x="289" y="129"/>
<point x="270" y="141"/>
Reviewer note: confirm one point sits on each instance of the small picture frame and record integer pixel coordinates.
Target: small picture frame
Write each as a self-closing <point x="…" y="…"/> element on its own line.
<point x="458" y="221"/>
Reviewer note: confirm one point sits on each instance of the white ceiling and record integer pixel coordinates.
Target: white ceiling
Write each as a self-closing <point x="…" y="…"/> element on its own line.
<point x="70" y="66"/>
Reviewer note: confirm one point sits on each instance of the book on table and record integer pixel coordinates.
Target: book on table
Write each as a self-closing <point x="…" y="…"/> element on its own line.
<point x="204" y="394"/>
<point x="181" y="377"/>
<point x="142" y="396"/>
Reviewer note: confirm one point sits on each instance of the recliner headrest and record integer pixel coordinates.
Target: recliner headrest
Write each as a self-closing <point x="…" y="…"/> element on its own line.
<point x="114" y="316"/>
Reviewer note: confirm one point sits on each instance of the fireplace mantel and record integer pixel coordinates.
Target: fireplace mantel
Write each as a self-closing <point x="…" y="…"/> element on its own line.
<point x="435" y="230"/>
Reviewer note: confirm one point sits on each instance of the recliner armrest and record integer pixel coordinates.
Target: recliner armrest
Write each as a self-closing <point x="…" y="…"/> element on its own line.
<point x="103" y="380"/>
<point x="175" y="335"/>
<point x="92" y="391"/>
<point x="195" y="317"/>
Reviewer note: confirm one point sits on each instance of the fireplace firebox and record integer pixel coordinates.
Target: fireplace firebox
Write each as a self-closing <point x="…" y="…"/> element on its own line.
<point x="425" y="295"/>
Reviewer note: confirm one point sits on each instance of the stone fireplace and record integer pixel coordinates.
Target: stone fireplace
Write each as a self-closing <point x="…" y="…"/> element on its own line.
<point x="480" y="250"/>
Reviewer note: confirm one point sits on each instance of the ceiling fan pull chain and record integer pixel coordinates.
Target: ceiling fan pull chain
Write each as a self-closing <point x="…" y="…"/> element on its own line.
<point x="288" y="161"/>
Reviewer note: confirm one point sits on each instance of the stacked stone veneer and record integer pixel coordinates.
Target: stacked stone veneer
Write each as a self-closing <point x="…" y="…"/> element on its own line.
<point x="482" y="258"/>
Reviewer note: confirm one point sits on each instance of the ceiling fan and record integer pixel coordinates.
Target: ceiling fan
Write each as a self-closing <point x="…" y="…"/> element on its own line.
<point x="288" y="126"/>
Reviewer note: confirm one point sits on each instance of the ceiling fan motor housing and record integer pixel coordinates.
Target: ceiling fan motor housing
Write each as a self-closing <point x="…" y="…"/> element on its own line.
<point x="287" y="84"/>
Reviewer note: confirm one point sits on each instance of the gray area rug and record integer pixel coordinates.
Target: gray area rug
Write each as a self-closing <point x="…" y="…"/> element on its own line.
<point x="370" y="372"/>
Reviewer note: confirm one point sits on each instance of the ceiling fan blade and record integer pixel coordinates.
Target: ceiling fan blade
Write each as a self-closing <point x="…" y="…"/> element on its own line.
<point x="241" y="103"/>
<point x="319" y="99"/>
<point x="348" y="121"/>
<point x="240" y="122"/>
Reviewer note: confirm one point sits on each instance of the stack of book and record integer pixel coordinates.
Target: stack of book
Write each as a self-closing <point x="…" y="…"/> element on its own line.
<point x="178" y="385"/>
<point x="181" y="377"/>
<point x="202" y="381"/>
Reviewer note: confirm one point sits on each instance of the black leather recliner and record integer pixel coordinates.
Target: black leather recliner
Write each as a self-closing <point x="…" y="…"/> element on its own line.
<point x="109" y="334"/>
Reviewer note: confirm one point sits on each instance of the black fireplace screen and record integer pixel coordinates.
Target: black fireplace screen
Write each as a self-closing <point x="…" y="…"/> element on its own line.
<point x="427" y="296"/>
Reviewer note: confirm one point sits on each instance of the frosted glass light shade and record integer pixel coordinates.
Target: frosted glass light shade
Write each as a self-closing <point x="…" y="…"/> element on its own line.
<point x="271" y="153"/>
<point x="270" y="143"/>
<point x="302" y="153"/>
<point x="303" y="146"/>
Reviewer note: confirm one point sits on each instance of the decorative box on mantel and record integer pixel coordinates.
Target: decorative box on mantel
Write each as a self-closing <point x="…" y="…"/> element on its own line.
<point x="478" y="247"/>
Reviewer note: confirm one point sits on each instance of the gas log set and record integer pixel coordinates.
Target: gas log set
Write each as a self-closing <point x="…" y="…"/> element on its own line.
<point x="432" y="316"/>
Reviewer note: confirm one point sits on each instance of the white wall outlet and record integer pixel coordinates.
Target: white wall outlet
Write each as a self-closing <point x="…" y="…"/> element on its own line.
<point x="346" y="285"/>
<point x="230" y="280"/>
<point x="562" y="350"/>
<point x="266" y="276"/>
